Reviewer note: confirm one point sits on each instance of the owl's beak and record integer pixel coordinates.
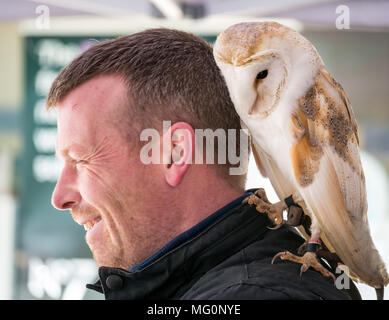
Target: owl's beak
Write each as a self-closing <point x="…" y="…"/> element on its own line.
<point x="253" y="107"/>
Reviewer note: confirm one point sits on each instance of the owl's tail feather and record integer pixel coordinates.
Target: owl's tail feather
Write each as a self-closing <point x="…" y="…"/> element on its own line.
<point x="380" y="293"/>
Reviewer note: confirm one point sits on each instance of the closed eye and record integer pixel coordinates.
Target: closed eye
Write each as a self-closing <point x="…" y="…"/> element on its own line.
<point x="81" y="161"/>
<point x="78" y="163"/>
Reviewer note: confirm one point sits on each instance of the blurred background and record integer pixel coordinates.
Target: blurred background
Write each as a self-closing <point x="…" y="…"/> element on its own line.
<point x="43" y="254"/>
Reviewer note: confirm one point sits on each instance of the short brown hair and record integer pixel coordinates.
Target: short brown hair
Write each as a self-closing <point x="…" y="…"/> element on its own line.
<point x="171" y="75"/>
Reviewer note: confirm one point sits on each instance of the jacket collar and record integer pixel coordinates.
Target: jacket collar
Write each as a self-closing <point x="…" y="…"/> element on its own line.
<point x="175" y="267"/>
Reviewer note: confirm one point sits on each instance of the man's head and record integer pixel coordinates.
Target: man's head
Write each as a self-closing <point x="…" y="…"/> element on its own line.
<point x="105" y="97"/>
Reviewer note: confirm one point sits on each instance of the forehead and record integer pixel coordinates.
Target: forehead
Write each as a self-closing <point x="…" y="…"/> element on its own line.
<point x="90" y="110"/>
<point x="239" y="42"/>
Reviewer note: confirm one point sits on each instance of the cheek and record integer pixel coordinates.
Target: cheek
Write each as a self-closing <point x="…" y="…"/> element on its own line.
<point x="107" y="184"/>
<point x="92" y="188"/>
<point x="121" y="183"/>
<point x="95" y="184"/>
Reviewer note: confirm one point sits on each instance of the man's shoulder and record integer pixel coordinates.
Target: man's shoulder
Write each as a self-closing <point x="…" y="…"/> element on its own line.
<point x="260" y="280"/>
<point x="249" y="274"/>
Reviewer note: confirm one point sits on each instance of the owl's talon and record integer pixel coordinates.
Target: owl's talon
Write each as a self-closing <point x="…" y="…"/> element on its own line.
<point x="279" y="254"/>
<point x="251" y="200"/>
<point x="276" y="227"/>
<point x="309" y="259"/>
<point x="261" y="193"/>
<point x="273" y="211"/>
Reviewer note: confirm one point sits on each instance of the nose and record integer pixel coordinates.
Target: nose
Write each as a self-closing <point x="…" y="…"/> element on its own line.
<point x="66" y="195"/>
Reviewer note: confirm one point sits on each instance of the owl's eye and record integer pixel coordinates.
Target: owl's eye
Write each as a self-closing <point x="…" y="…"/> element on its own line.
<point x="262" y="74"/>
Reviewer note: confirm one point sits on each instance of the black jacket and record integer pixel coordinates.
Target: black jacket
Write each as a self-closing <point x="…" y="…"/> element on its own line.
<point x="226" y="257"/>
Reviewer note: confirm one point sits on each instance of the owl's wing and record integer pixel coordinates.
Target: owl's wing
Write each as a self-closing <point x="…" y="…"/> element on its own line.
<point x="330" y="179"/>
<point x="344" y="99"/>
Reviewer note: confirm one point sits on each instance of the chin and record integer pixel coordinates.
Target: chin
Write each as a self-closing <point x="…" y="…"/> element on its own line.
<point x="108" y="261"/>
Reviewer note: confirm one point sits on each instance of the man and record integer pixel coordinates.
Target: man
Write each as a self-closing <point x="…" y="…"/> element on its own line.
<point x="174" y="229"/>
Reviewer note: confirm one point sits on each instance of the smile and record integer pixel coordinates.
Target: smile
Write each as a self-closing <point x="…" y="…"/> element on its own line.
<point x="89" y="224"/>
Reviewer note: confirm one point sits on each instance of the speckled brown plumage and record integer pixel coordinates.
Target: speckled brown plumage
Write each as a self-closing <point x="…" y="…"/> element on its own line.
<point x="323" y="118"/>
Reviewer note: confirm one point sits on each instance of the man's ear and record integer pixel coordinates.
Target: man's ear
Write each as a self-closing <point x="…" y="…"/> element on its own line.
<point x="178" y="150"/>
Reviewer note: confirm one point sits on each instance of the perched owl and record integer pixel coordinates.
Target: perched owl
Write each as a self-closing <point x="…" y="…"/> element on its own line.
<point x="305" y="140"/>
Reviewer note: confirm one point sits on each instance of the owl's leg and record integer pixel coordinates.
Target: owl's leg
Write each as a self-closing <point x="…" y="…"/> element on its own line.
<point x="273" y="211"/>
<point x="309" y="259"/>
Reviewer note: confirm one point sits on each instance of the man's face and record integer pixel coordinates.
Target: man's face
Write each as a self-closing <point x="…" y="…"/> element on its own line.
<point x="103" y="182"/>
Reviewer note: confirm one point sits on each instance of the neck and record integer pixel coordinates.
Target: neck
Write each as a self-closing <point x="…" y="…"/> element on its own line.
<point x="206" y="193"/>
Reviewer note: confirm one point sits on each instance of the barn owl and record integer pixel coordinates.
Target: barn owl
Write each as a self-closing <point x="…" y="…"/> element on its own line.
<point x="304" y="139"/>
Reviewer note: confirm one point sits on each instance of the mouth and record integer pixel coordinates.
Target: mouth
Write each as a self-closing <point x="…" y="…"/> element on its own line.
<point x="90" y="224"/>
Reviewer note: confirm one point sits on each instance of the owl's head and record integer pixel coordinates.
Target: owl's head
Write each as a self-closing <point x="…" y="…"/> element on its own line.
<point x="258" y="61"/>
